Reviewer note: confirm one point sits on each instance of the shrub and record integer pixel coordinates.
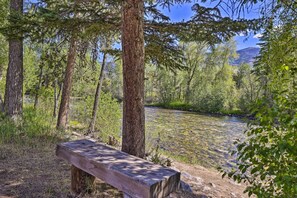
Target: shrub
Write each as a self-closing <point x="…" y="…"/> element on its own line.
<point x="108" y="117"/>
<point x="267" y="159"/>
<point x="34" y="123"/>
<point x="8" y="129"/>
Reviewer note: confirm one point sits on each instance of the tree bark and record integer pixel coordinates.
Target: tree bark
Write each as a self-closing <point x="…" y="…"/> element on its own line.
<point x="81" y="182"/>
<point x="13" y="99"/>
<point x="97" y="96"/>
<point x="66" y="92"/>
<point x="1" y="100"/>
<point x="133" y="134"/>
<point x="56" y="96"/>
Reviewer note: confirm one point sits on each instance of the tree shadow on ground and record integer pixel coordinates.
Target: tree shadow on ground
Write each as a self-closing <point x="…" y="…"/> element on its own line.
<point x="33" y="170"/>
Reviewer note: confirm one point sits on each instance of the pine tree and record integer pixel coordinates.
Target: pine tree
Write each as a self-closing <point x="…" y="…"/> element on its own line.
<point x="13" y="100"/>
<point x="133" y="134"/>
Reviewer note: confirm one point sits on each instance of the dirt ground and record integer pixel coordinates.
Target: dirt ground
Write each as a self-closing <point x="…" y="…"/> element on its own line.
<point x="208" y="182"/>
<point x="32" y="170"/>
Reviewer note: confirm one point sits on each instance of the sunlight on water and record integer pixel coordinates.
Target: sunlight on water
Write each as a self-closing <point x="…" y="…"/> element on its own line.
<point x="193" y="138"/>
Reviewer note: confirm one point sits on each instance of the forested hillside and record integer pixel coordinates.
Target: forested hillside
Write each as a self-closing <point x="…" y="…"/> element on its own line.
<point x="246" y="55"/>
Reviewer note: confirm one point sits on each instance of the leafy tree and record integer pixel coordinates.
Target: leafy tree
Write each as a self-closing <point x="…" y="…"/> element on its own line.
<point x="3" y="51"/>
<point x="31" y="67"/>
<point x="3" y="63"/>
<point x="106" y="45"/>
<point x="195" y="54"/>
<point x="213" y="88"/>
<point x="249" y="88"/>
<point x="167" y="85"/>
<point x="267" y="159"/>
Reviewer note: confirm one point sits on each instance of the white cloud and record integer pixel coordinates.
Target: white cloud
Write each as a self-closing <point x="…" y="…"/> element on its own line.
<point x="241" y="34"/>
<point x="259" y="35"/>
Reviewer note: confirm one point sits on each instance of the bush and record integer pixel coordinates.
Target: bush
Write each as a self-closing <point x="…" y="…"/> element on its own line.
<point x="212" y="103"/>
<point x="34" y="123"/>
<point x="108" y="117"/>
<point x="8" y="129"/>
<point x="267" y="159"/>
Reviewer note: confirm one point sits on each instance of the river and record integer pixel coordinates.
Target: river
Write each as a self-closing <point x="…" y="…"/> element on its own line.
<point x="193" y="138"/>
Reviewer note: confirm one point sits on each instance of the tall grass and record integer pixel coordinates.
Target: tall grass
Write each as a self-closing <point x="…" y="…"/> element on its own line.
<point x="108" y="121"/>
<point x="34" y="123"/>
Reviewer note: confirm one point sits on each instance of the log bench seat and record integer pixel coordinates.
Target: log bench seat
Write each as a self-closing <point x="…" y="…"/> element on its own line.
<point x="135" y="177"/>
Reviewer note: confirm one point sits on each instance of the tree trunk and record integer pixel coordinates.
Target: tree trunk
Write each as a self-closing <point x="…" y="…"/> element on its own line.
<point x="1" y="72"/>
<point x="188" y="92"/>
<point x="13" y="99"/>
<point x="38" y="87"/>
<point x="1" y="104"/>
<point x="1" y="100"/>
<point x="133" y="140"/>
<point x="97" y="96"/>
<point x="56" y="97"/>
<point x="174" y="85"/>
<point x="66" y="92"/>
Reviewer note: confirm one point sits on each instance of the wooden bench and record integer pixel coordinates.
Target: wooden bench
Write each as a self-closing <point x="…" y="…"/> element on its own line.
<point x="133" y="176"/>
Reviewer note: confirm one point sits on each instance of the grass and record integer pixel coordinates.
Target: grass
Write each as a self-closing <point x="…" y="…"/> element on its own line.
<point x="28" y="164"/>
<point x="31" y="169"/>
<point x="173" y="105"/>
<point x="34" y="124"/>
<point x="177" y="105"/>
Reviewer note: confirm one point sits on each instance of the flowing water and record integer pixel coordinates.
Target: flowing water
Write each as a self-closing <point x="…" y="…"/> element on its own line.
<point x="193" y="138"/>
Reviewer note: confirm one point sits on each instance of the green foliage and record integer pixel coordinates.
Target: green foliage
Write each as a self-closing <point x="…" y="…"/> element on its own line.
<point x="3" y="12"/>
<point x="115" y="75"/>
<point x="167" y="84"/>
<point x="174" y="105"/>
<point x="31" y="63"/>
<point x="108" y="118"/>
<point x="3" y="63"/>
<point x="267" y="159"/>
<point x="206" y="85"/>
<point x="35" y="123"/>
<point x="8" y="129"/>
<point x="248" y="86"/>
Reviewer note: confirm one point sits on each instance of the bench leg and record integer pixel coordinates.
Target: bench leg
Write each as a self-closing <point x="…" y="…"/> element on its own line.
<point x="81" y="182"/>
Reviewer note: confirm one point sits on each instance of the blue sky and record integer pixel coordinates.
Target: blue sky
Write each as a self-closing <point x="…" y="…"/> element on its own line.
<point x="184" y="12"/>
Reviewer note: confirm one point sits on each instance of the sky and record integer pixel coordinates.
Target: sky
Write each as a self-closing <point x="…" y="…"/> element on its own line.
<point x="184" y="12"/>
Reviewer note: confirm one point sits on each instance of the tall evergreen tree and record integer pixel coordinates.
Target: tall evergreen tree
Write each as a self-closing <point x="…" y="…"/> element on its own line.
<point x="13" y="100"/>
<point x="133" y="140"/>
<point x="66" y="91"/>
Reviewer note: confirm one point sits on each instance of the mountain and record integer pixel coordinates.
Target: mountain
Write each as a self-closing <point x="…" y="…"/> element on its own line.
<point x="246" y="55"/>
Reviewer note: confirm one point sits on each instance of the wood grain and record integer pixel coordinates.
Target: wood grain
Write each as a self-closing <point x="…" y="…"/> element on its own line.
<point x="81" y="181"/>
<point x="132" y="175"/>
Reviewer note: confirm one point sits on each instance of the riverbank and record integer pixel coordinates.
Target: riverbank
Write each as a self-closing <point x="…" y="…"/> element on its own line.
<point x="187" y="107"/>
<point x="31" y="169"/>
